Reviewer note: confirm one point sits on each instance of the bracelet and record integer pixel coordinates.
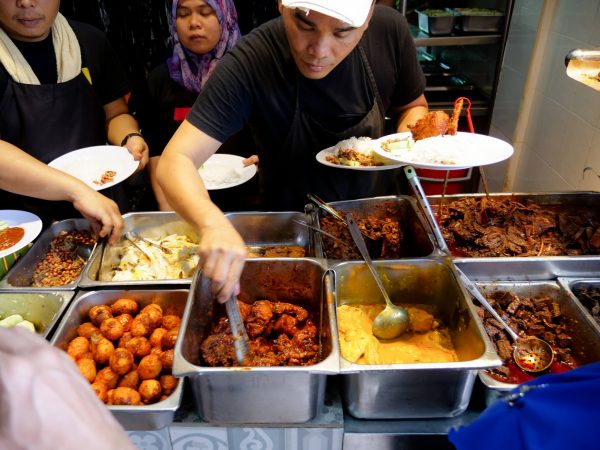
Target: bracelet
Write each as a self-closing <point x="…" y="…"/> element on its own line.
<point x="126" y="138"/>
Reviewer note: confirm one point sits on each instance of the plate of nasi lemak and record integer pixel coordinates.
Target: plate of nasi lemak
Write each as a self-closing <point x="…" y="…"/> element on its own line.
<point x="356" y="153"/>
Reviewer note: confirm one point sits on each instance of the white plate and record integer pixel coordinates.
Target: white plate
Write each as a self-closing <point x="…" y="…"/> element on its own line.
<point x="387" y="162"/>
<point x="461" y="151"/>
<point x="88" y="164"/>
<point x="222" y="171"/>
<point x="31" y="223"/>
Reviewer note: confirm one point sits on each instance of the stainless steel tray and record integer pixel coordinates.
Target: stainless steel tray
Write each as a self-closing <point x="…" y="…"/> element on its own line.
<point x="148" y="417"/>
<point x="267" y="229"/>
<point x="418" y="239"/>
<point x="20" y="276"/>
<point x="269" y="395"/>
<point x="43" y="309"/>
<point x="423" y="390"/>
<point x="530" y="268"/>
<point x="145" y="224"/>
<point x="571" y="285"/>
<point x="584" y="335"/>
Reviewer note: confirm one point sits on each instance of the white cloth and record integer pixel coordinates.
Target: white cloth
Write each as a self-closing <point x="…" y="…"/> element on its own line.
<point x="66" y="48"/>
<point x="45" y="404"/>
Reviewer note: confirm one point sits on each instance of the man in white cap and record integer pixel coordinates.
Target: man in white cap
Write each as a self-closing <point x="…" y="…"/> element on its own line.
<point x="326" y="70"/>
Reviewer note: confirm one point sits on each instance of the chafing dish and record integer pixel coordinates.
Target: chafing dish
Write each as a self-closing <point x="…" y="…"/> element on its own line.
<point x="572" y="286"/>
<point x="417" y="238"/>
<point x="585" y="340"/>
<point x="21" y="274"/>
<point x="43" y="309"/>
<point x="147" y="417"/>
<point x="292" y="394"/>
<point x="419" y="390"/>
<point x="153" y="225"/>
<point x="532" y="267"/>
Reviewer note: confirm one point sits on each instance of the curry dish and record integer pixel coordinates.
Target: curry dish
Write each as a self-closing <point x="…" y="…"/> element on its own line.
<point x="426" y="340"/>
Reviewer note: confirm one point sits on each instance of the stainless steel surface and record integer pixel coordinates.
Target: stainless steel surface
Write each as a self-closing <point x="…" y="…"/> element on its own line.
<point x="530" y="354"/>
<point x="21" y="274"/>
<point x="241" y="342"/>
<point x="413" y="180"/>
<point x="417" y="240"/>
<point x="422" y="39"/>
<point x="292" y="394"/>
<point x="585" y="339"/>
<point x="152" y="225"/>
<point x="535" y="268"/>
<point x="421" y="390"/>
<point x="265" y="229"/>
<point x="393" y="320"/>
<point x="571" y="285"/>
<point x="43" y="309"/>
<point x="583" y="65"/>
<point x="147" y="417"/>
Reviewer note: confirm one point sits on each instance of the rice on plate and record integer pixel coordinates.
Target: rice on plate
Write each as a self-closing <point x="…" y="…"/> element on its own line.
<point x="355" y="152"/>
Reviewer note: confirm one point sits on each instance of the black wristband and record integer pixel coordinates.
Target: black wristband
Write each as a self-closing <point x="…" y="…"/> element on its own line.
<point x="126" y="138"/>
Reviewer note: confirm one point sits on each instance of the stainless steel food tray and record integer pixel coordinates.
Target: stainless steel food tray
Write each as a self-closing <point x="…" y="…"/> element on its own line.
<point x="271" y="395"/>
<point x="420" y="390"/>
<point x="418" y="239"/>
<point x="43" y="309"/>
<point x="584" y="335"/>
<point x="530" y="268"/>
<point x="21" y="274"/>
<point x="268" y="229"/>
<point x="146" y="224"/>
<point x="570" y="285"/>
<point x="147" y="417"/>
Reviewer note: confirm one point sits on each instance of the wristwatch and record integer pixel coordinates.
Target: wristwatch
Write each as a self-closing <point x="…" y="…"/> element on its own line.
<point x="126" y="138"/>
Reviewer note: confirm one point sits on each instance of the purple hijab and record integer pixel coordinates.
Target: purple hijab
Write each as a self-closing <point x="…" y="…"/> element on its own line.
<point x="191" y="70"/>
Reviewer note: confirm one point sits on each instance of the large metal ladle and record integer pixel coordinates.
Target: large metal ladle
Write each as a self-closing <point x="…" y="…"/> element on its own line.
<point x="530" y="353"/>
<point x="393" y="320"/>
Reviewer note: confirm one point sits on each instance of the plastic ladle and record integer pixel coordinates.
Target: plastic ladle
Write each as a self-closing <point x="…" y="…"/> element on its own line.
<point x="393" y="320"/>
<point x="530" y="353"/>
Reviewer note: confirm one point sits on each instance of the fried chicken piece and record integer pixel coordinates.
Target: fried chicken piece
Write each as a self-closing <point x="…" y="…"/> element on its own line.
<point x="434" y="123"/>
<point x="217" y="350"/>
<point x="287" y="308"/>
<point x="286" y="324"/>
<point x="259" y="320"/>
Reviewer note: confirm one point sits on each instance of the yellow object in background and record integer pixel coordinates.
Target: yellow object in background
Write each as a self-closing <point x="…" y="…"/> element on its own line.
<point x="8" y="261"/>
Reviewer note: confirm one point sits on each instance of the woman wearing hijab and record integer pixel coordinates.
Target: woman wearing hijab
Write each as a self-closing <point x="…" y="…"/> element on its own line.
<point x="203" y="31"/>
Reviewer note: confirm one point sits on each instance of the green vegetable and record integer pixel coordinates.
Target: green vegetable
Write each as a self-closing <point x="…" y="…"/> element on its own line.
<point x="11" y="321"/>
<point x="478" y="12"/>
<point x="26" y="324"/>
<point x="437" y="12"/>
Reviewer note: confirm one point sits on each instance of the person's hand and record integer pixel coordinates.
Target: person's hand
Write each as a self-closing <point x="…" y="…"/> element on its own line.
<point x="222" y="253"/>
<point x="102" y="212"/>
<point x="138" y="148"/>
<point x="250" y="160"/>
<point x="46" y="404"/>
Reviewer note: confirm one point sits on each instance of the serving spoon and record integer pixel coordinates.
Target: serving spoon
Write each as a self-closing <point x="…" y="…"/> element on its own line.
<point x="393" y="320"/>
<point x="530" y="353"/>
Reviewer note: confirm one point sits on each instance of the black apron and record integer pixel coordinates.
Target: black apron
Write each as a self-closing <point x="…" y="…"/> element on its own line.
<point x="48" y="121"/>
<point x="294" y="171"/>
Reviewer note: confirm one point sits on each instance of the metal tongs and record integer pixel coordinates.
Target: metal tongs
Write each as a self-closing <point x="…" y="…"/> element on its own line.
<point x="241" y="343"/>
<point x="133" y="237"/>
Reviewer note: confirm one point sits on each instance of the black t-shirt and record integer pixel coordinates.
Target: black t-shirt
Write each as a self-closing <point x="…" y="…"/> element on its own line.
<point x="109" y="80"/>
<point x="255" y="82"/>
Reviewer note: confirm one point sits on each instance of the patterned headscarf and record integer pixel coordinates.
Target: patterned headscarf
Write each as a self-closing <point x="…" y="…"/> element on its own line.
<point x="191" y="70"/>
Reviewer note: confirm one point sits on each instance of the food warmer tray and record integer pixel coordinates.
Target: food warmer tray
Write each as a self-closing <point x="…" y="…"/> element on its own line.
<point x="151" y="225"/>
<point x="418" y="239"/>
<point x="260" y="395"/>
<point x="571" y="285"/>
<point x="416" y="390"/>
<point x="43" y="308"/>
<point x="529" y="268"/>
<point x="584" y="335"/>
<point x="21" y="274"/>
<point x="148" y="417"/>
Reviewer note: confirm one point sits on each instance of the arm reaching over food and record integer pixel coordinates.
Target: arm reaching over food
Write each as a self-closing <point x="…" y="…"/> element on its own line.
<point x="22" y="174"/>
<point x="46" y="403"/>
<point x="221" y="248"/>
<point x="411" y="113"/>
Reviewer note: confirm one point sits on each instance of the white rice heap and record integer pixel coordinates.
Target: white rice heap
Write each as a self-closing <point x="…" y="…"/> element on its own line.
<point x="435" y="150"/>
<point x="219" y="175"/>
<point x="362" y="144"/>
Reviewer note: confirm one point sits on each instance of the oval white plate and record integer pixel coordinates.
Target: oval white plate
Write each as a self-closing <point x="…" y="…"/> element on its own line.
<point x="222" y="171"/>
<point x="464" y="150"/>
<point x="31" y="223"/>
<point x="388" y="163"/>
<point x="88" y="164"/>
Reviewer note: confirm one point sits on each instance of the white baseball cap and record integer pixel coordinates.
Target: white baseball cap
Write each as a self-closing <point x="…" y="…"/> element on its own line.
<point x="353" y="12"/>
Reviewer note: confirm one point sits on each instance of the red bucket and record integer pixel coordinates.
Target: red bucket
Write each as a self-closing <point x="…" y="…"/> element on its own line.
<point x="432" y="181"/>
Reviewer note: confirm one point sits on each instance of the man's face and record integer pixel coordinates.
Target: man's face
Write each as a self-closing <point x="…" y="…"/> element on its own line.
<point x="319" y="42"/>
<point x="28" y="20"/>
<point x="197" y="26"/>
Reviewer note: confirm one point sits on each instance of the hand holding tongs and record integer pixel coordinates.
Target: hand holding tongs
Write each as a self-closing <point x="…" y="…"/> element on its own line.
<point x="241" y="342"/>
